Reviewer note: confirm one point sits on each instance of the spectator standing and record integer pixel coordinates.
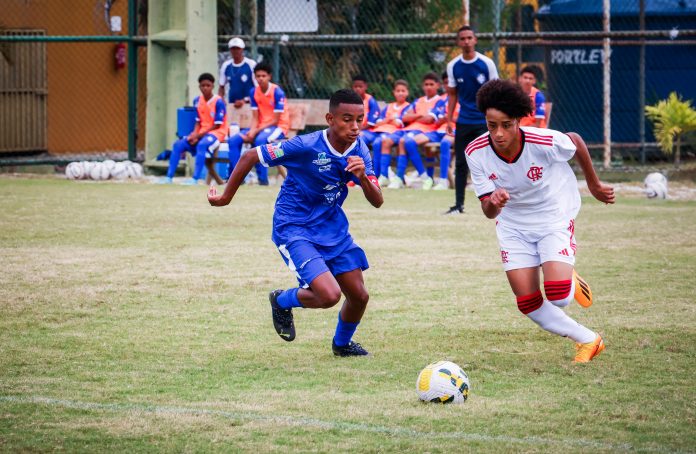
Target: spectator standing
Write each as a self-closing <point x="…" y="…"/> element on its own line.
<point x="238" y="73"/>
<point x="466" y="74"/>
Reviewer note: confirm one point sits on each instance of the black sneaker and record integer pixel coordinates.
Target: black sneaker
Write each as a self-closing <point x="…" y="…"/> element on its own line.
<point x="454" y="210"/>
<point x="282" y="318"/>
<point x="352" y="349"/>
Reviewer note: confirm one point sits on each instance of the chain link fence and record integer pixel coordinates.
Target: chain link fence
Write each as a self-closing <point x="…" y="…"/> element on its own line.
<point x="563" y="40"/>
<point x="72" y="95"/>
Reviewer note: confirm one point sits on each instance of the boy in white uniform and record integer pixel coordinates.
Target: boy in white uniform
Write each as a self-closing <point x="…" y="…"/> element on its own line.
<point x="522" y="178"/>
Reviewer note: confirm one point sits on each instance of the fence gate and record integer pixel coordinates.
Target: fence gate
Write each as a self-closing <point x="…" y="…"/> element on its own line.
<point x="23" y="90"/>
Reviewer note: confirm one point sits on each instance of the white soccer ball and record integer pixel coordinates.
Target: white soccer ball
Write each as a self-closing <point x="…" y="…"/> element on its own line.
<point x="99" y="172"/>
<point x="88" y="165"/>
<point x="136" y="170"/>
<point x="109" y="164"/>
<point x="119" y="172"/>
<point x="74" y="171"/>
<point x="655" y="186"/>
<point x="443" y="382"/>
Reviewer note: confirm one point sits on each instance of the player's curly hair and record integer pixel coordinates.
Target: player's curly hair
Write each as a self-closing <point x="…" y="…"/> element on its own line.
<point x="505" y="96"/>
<point x="344" y="96"/>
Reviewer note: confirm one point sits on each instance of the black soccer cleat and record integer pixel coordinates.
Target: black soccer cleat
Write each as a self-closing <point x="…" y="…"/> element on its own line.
<point x="454" y="210"/>
<point x="352" y="349"/>
<point x="283" y="321"/>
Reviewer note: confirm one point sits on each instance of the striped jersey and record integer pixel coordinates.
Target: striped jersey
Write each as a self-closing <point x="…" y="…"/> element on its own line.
<point x="542" y="187"/>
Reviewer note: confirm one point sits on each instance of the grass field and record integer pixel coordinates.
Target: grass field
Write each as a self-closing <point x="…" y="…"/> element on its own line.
<point x="135" y="318"/>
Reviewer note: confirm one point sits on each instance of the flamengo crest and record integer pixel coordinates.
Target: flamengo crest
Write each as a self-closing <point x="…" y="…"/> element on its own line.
<point x="534" y="173"/>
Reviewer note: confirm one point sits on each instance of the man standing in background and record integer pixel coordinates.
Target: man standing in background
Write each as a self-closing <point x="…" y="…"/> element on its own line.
<point x="238" y="72"/>
<point x="466" y="73"/>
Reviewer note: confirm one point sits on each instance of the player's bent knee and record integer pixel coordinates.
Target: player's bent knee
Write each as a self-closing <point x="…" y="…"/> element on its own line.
<point x="329" y="298"/>
<point x="559" y="293"/>
<point x="530" y="303"/>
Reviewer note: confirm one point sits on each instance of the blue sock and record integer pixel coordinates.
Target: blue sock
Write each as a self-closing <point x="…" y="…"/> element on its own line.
<point x="199" y="165"/>
<point x="344" y="332"/>
<point x="401" y="163"/>
<point x="412" y="151"/>
<point x="288" y="299"/>
<point x="386" y="162"/>
<point x="445" y="147"/>
<point x="430" y="168"/>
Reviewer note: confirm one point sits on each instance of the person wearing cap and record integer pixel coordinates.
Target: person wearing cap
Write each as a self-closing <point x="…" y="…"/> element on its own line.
<point x="238" y="72"/>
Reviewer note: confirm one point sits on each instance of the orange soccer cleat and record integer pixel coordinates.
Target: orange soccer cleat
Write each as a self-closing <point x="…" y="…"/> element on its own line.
<point x="585" y="352"/>
<point x="583" y="292"/>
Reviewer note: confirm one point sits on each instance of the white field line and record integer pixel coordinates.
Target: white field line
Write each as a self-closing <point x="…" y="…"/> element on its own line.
<point x="319" y="424"/>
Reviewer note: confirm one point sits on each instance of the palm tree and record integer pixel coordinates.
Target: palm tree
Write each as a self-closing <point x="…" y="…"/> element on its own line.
<point x="671" y="118"/>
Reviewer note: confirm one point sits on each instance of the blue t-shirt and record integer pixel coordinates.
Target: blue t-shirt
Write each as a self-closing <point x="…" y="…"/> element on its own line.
<point x="239" y="77"/>
<point x="467" y="76"/>
<point x="309" y="203"/>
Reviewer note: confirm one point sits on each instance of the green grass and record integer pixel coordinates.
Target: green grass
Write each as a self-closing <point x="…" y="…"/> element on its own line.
<point x="135" y="318"/>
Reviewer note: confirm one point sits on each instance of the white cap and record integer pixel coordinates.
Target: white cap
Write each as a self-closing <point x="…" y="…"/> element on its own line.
<point x="236" y="42"/>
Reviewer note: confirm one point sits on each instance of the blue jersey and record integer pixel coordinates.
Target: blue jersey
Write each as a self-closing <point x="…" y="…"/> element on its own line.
<point x="240" y="78"/>
<point x="309" y="203"/>
<point x="467" y="76"/>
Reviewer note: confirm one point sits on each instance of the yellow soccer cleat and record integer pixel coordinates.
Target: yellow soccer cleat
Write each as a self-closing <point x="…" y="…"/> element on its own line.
<point x="585" y="352"/>
<point x="583" y="292"/>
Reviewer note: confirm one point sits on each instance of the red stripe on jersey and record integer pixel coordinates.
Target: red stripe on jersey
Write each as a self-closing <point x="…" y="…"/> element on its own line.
<point x="539" y="142"/>
<point x="481" y="142"/>
<point x="478" y="140"/>
<point x="538" y="136"/>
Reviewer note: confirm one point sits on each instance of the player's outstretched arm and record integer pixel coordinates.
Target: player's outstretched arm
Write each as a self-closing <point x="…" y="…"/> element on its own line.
<point x="245" y="164"/>
<point x="602" y="192"/>
<point x="369" y="185"/>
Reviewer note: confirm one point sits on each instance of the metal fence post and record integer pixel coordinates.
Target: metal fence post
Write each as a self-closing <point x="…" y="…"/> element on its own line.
<point x="132" y="80"/>
<point x="641" y="85"/>
<point x="606" y="60"/>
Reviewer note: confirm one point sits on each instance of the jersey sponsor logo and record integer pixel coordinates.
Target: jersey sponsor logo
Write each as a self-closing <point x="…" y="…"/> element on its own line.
<point x="321" y="160"/>
<point x="493" y="176"/>
<point x="504" y="256"/>
<point x="274" y="150"/>
<point x="481" y="78"/>
<point x="460" y="80"/>
<point x="329" y="187"/>
<point x="326" y="168"/>
<point x="534" y="173"/>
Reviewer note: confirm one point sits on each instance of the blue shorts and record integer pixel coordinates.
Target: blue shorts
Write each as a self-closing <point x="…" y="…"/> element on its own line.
<point x="396" y="135"/>
<point x="308" y="260"/>
<point x="368" y="136"/>
<point x="433" y="136"/>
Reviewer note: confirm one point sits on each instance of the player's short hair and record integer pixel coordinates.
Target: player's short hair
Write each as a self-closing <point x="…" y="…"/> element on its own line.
<point x="505" y="96"/>
<point x="206" y="76"/>
<point x="359" y="78"/>
<point x="344" y="96"/>
<point x="431" y="76"/>
<point x="531" y="69"/>
<point x="263" y="66"/>
<point x="464" y="28"/>
<point x="400" y="82"/>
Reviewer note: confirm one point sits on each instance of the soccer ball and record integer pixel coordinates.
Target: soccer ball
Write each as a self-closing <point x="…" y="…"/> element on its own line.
<point x="655" y="186"/>
<point x="119" y="171"/>
<point x="99" y="172"/>
<point x="74" y="171"/>
<point x="442" y="382"/>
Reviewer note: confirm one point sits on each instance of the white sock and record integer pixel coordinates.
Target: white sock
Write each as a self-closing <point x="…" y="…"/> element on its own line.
<point x="554" y="320"/>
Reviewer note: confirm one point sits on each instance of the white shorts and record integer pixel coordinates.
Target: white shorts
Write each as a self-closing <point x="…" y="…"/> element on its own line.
<point x="529" y="249"/>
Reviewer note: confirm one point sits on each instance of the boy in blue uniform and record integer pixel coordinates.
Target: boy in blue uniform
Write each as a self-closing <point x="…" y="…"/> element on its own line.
<point x="310" y="228"/>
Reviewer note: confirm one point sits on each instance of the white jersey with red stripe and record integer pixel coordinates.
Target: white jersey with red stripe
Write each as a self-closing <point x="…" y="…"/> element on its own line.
<point x="542" y="187"/>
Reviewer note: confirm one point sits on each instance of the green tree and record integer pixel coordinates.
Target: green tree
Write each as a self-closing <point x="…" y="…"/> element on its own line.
<point x="671" y="118"/>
